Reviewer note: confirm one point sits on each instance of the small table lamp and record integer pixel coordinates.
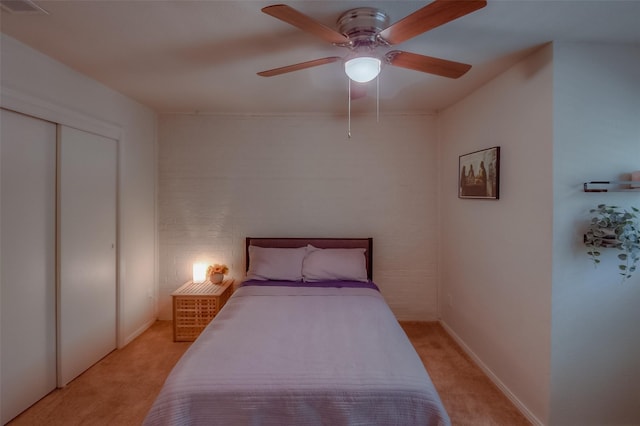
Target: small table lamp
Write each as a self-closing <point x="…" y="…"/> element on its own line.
<point x="199" y="272"/>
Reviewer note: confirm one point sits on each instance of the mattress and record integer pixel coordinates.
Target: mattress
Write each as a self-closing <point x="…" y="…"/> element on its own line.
<point x="300" y="355"/>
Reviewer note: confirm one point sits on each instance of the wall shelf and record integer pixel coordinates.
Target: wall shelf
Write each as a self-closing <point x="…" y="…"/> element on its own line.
<point x="612" y="186"/>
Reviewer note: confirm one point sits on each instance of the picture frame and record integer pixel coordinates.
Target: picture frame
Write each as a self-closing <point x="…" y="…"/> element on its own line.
<point x="479" y="174"/>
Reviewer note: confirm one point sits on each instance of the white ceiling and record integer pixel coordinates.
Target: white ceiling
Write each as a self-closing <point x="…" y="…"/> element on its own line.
<point x="188" y="56"/>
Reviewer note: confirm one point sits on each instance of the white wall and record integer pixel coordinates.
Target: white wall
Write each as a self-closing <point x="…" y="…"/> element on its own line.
<point x="41" y="86"/>
<point x="496" y="260"/>
<point x="520" y="294"/>
<point x="595" y="364"/>
<point x="223" y="178"/>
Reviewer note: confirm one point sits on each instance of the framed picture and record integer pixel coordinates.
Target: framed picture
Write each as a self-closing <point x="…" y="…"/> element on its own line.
<point x="479" y="174"/>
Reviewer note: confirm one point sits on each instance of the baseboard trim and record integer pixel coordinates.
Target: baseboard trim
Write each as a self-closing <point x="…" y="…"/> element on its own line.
<point x="136" y="333"/>
<point x="492" y="376"/>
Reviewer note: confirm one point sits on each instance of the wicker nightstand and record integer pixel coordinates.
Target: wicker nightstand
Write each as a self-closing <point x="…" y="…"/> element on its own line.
<point x="195" y="305"/>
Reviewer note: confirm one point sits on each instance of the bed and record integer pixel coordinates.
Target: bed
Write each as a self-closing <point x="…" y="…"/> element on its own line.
<point x="307" y="339"/>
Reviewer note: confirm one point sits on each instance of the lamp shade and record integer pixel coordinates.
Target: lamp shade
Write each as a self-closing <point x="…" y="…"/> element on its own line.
<point x="199" y="272"/>
<point x="362" y="68"/>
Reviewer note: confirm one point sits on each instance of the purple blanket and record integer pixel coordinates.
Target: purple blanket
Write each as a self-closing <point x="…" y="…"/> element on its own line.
<point x="300" y="355"/>
<point x="325" y="284"/>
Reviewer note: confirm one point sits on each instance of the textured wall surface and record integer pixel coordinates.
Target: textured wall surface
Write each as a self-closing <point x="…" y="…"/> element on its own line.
<point x="223" y="178"/>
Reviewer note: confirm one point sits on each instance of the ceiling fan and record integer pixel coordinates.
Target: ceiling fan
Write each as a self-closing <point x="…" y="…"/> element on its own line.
<point x="366" y="29"/>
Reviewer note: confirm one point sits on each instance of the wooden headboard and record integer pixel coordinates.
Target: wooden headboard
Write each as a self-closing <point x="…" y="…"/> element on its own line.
<point x="366" y="243"/>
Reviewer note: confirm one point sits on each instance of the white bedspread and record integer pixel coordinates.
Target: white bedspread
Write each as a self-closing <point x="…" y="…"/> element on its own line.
<point x="300" y="356"/>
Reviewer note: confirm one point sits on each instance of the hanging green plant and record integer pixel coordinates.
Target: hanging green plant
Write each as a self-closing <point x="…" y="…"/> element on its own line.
<point x="615" y="227"/>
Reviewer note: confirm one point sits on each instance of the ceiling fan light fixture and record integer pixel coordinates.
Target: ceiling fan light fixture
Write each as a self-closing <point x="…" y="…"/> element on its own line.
<point x="362" y="68"/>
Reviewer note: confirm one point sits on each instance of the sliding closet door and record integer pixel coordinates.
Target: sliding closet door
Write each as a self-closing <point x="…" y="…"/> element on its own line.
<point x="87" y="241"/>
<point x="27" y="267"/>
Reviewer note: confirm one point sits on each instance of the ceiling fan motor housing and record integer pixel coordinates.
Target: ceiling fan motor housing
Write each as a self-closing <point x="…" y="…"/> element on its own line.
<point x="362" y="25"/>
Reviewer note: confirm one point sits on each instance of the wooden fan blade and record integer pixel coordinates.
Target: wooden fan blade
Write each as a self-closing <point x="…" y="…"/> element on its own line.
<point x="300" y="66"/>
<point x="429" y="17"/>
<point x="427" y="64"/>
<point x="297" y="19"/>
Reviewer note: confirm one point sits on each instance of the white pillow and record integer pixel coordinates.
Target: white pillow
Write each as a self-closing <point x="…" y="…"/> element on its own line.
<point x="280" y="264"/>
<point x="334" y="265"/>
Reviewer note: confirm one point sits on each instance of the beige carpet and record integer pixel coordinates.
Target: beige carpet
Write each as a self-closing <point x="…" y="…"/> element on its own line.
<point x="466" y="392"/>
<point x="120" y="389"/>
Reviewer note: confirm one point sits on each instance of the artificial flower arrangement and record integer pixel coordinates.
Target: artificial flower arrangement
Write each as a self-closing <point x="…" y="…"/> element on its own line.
<point x="218" y="268"/>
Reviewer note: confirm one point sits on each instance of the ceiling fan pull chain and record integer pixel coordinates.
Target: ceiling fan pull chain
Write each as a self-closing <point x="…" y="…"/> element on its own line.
<point x="349" y="114"/>
<point x="378" y="98"/>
